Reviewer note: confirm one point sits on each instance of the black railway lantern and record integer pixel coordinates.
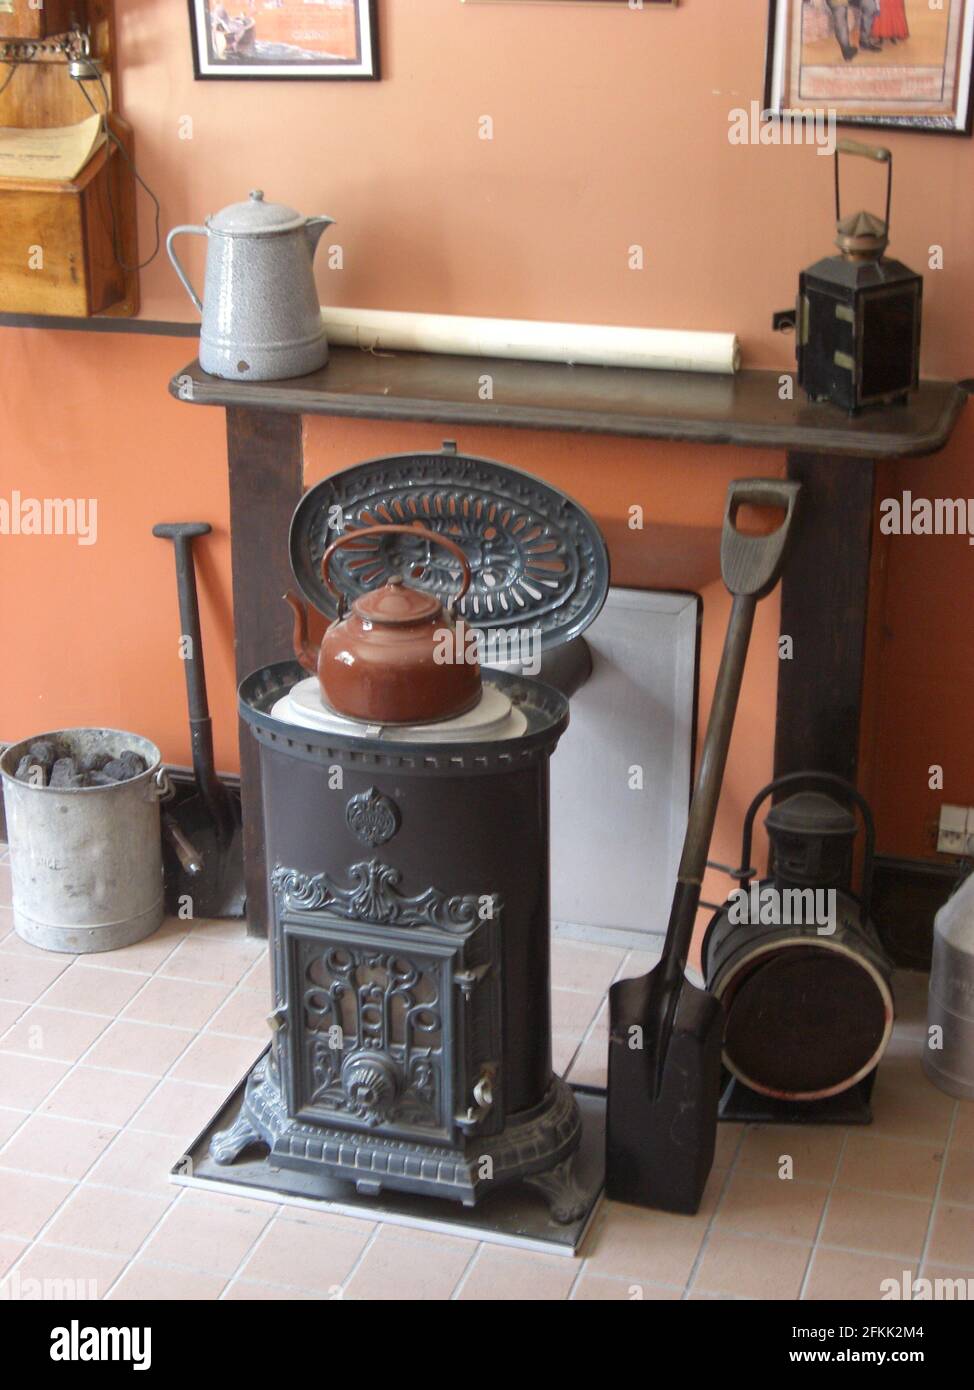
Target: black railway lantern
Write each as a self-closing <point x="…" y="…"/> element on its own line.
<point x="858" y="315"/>
<point x="796" y="960"/>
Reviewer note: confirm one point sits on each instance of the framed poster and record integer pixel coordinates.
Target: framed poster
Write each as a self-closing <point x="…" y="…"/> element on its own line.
<point x="284" y="38"/>
<point x="630" y="4"/>
<point x="890" y="63"/>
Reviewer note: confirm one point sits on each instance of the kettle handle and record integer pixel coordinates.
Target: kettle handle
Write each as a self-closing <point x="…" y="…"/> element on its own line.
<point x="422" y="531"/>
<point x="176" y="231"/>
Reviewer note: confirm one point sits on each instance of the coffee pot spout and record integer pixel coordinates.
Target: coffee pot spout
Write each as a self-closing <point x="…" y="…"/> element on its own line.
<point x="313" y="229"/>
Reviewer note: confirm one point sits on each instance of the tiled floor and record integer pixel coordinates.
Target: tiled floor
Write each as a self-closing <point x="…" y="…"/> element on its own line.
<point x="111" y="1063"/>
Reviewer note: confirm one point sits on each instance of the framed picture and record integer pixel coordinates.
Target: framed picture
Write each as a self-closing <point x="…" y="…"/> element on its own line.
<point x="284" y="38"/>
<point x="900" y="64"/>
<point x="631" y="4"/>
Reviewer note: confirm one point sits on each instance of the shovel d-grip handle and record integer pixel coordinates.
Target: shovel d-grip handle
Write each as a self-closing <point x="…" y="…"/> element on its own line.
<point x="751" y="565"/>
<point x="391" y="529"/>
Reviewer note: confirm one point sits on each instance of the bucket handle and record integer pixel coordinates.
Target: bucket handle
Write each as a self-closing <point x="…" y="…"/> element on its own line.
<point x="850" y="792"/>
<point x="161" y="788"/>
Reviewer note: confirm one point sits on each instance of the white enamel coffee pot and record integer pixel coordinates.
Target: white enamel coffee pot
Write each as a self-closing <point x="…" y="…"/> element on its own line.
<point x="261" y="316"/>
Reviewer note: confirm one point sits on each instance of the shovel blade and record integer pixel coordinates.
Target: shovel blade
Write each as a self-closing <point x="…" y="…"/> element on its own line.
<point x="218" y="891"/>
<point x="660" y="1140"/>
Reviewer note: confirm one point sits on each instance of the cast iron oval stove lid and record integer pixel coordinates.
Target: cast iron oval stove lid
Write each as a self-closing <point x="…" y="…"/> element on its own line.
<point x="538" y="559"/>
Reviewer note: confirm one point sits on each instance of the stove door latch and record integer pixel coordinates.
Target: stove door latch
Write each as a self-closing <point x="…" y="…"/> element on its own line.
<point x="483" y="1095"/>
<point x="468" y="980"/>
<point x="277" y="1019"/>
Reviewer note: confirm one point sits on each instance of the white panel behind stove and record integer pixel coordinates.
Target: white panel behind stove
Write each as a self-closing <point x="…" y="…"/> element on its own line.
<point x="615" y="851"/>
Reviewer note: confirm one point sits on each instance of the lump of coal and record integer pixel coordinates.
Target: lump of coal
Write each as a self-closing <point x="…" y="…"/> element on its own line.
<point x="94" y="762"/>
<point x="30" y="770"/>
<point x="46" y="752"/>
<point x="124" y="767"/>
<point x="50" y="762"/>
<point x="63" y="771"/>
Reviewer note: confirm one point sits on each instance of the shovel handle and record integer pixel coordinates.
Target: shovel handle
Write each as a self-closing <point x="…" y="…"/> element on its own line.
<point x="751" y="565"/>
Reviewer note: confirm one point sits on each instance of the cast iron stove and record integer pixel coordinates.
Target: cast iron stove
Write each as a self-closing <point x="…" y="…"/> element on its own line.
<point x="408" y="868"/>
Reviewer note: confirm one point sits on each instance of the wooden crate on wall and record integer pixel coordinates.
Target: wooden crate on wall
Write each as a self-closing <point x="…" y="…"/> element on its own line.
<point x="19" y="19"/>
<point x="58" y="240"/>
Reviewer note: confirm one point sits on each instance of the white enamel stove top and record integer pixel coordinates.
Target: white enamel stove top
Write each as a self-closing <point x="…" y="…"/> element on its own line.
<point x="493" y="717"/>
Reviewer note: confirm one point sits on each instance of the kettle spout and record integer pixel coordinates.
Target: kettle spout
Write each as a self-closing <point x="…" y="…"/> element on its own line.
<point x="303" y="650"/>
<point x="313" y="229"/>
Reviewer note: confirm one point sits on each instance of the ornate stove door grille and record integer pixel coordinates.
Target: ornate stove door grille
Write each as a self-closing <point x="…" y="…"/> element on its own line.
<point x="390" y="1028"/>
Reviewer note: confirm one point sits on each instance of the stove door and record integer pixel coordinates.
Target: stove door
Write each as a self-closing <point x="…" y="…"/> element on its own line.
<point x="392" y="1030"/>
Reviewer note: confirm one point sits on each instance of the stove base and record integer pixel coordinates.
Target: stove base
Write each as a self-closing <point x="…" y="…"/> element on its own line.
<point x="515" y="1214"/>
<point x="539" y="1148"/>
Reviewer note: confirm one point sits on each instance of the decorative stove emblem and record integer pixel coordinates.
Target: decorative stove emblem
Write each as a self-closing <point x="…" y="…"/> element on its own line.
<point x="370" y="1081"/>
<point x="372" y="817"/>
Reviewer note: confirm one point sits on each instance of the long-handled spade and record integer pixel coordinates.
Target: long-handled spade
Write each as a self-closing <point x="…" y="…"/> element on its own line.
<point x="203" y="830"/>
<point x="666" y="1034"/>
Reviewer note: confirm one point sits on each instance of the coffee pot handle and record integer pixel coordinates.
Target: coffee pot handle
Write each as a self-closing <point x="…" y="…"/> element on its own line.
<point x="420" y="531"/>
<point x="176" y="231"/>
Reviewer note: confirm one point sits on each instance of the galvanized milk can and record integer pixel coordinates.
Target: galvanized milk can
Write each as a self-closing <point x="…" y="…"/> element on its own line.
<point x="948" y="1057"/>
<point x="261" y="316"/>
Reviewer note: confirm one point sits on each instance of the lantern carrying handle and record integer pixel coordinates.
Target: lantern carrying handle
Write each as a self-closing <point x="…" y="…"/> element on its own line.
<point x="829" y="779"/>
<point x="421" y="531"/>
<point x="880" y="155"/>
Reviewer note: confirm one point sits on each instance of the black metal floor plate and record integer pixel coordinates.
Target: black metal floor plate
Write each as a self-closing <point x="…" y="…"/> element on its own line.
<point x="515" y="1215"/>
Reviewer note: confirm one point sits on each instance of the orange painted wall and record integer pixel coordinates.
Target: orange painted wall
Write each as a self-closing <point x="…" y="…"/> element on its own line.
<point x="610" y="129"/>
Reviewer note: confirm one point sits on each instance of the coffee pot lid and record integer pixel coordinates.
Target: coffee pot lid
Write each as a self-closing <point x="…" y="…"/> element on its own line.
<point x="538" y="561"/>
<point x="255" y="217"/>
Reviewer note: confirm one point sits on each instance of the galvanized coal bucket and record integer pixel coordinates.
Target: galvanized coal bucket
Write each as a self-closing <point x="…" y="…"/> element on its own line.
<point x="86" y="861"/>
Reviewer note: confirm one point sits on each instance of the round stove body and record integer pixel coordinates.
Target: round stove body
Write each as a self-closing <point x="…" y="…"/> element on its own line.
<point x="408" y="896"/>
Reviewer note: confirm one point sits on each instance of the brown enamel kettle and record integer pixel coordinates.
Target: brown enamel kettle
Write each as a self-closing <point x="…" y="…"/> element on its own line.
<point x="396" y="656"/>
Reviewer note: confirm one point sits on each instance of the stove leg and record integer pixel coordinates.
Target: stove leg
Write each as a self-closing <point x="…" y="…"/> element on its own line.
<point x="567" y="1201"/>
<point x="227" y="1146"/>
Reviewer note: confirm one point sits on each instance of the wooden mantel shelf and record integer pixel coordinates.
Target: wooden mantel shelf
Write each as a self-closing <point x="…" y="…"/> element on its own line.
<point x="742" y="410"/>
<point x="825" y="588"/>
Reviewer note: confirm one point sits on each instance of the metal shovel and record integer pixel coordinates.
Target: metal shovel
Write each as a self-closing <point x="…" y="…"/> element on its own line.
<point x="666" y="1034"/>
<point x="205" y="865"/>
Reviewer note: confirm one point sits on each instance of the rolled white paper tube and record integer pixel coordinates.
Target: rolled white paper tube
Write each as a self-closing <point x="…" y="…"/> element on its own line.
<point x="586" y="344"/>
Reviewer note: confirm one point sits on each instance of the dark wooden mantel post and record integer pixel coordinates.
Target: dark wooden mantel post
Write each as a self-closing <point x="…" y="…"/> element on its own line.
<point x="824" y="602"/>
<point x="266" y="466"/>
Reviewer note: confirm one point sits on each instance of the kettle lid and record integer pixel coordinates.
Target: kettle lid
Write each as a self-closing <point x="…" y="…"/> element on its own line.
<point x="397" y="603"/>
<point x="254" y="217"/>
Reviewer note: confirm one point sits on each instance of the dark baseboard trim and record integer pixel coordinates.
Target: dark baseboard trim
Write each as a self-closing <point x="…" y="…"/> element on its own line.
<point x="907" y="895"/>
<point x="153" y="328"/>
<point x="182" y="778"/>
